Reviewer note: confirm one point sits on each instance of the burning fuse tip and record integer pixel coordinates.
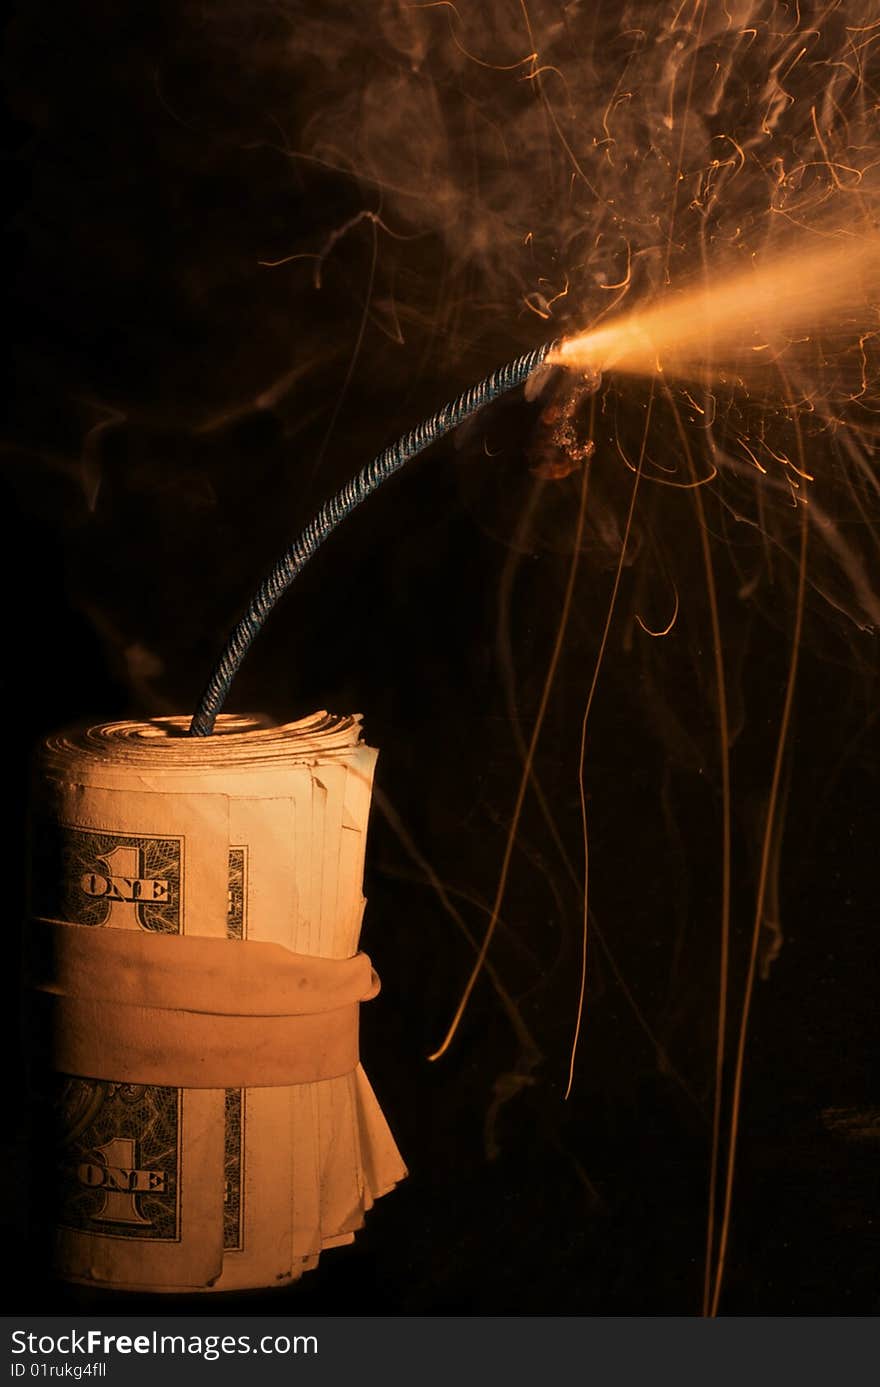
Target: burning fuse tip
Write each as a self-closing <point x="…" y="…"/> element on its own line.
<point x="565" y="353"/>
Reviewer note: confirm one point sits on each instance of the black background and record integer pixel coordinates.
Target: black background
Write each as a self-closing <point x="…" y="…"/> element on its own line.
<point x="148" y="480"/>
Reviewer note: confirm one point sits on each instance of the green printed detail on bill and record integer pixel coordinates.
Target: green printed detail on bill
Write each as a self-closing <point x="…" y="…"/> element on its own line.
<point x="127" y="881"/>
<point x="233" y="1113"/>
<point x="233" y="1163"/>
<point x="119" y="1154"/>
<point x="235" y="920"/>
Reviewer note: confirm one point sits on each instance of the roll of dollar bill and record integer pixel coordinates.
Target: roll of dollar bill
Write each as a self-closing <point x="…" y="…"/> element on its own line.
<point x="195" y="910"/>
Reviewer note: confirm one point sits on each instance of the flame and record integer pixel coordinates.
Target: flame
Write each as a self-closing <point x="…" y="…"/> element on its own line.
<point x="745" y="318"/>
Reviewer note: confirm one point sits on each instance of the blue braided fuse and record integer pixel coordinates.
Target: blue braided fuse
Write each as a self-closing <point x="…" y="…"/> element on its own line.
<point x="294" y="560"/>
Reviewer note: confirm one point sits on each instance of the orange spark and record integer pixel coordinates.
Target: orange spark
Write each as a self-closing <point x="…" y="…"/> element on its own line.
<point x="695" y="332"/>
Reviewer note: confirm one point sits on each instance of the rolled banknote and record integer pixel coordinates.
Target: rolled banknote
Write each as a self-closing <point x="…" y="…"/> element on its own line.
<point x="195" y="912"/>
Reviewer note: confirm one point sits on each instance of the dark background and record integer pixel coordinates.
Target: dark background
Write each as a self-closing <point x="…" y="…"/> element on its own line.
<point x="176" y="411"/>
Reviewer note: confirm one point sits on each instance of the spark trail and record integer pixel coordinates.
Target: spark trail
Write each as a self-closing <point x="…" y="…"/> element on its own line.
<point x="745" y="320"/>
